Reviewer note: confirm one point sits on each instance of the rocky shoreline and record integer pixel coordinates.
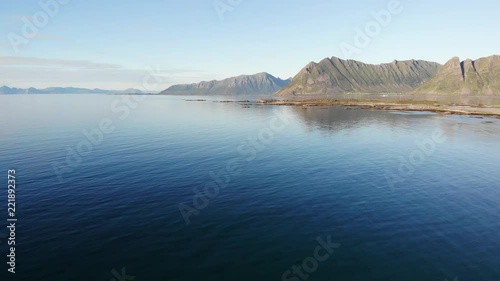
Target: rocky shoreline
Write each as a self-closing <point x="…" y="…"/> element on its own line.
<point x="423" y="106"/>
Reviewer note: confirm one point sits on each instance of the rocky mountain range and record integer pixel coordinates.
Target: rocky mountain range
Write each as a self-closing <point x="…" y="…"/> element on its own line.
<point x="258" y="84"/>
<point x="334" y="75"/>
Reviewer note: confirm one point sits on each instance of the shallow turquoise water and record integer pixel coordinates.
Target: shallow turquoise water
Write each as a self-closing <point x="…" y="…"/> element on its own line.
<point x="401" y="203"/>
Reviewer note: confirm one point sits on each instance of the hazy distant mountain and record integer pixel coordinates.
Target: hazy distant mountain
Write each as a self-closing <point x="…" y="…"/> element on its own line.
<point x="10" y="91"/>
<point x="258" y="84"/>
<point x="63" y="90"/>
<point x="334" y="75"/>
<point x="480" y="77"/>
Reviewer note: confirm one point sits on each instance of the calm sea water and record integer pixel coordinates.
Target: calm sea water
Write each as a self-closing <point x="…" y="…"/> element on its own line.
<point x="407" y="196"/>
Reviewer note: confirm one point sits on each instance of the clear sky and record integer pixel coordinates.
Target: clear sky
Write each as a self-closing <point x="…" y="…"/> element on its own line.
<point x="111" y="44"/>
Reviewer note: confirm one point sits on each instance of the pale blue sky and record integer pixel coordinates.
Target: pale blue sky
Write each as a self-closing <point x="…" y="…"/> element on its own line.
<point x="110" y="44"/>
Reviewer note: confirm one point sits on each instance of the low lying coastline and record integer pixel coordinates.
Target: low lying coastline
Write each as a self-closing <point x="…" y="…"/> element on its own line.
<point x="410" y="105"/>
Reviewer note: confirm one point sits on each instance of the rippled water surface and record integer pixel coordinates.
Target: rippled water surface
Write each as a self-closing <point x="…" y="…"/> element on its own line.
<point x="407" y="196"/>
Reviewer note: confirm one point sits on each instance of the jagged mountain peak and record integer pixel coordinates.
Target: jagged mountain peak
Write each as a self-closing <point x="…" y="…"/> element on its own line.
<point x="334" y="75"/>
<point x="467" y="77"/>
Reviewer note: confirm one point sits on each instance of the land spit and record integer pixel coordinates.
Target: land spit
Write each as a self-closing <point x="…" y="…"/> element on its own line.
<point x="425" y="106"/>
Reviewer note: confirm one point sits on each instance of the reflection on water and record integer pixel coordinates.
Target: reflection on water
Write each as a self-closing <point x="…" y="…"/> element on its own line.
<point x="344" y="118"/>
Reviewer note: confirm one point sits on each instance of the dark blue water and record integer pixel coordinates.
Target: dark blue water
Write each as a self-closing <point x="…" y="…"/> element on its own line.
<point x="403" y="196"/>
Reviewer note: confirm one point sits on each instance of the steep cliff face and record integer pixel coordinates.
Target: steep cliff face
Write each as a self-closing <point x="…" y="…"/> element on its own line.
<point x="258" y="84"/>
<point x="334" y="75"/>
<point x="479" y="77"/>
